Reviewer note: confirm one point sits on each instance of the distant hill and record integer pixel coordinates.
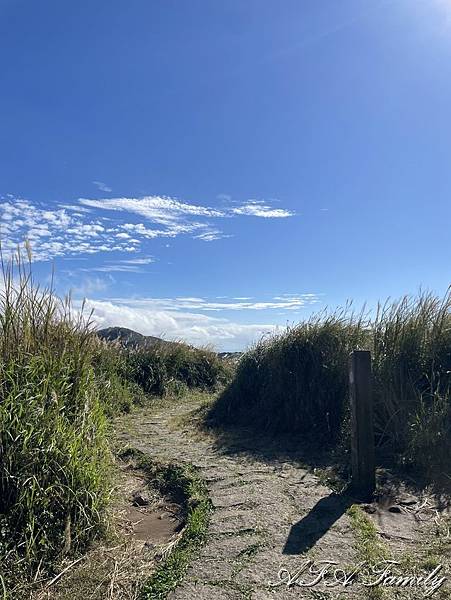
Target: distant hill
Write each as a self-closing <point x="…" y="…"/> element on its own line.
<point x="128" y="337"/>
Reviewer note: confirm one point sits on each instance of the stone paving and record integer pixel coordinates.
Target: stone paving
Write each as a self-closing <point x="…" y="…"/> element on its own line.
<point x="270" y="511"/>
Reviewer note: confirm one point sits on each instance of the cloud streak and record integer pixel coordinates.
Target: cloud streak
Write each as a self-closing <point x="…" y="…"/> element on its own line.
<point x="290" y="303"/>
<point x="125" y="225"/>
<point x="103" y="187"/>
<point x="258" y="208"/>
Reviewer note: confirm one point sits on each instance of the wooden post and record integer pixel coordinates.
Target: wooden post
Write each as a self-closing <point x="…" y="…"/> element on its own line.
<point x="362" y="427"/>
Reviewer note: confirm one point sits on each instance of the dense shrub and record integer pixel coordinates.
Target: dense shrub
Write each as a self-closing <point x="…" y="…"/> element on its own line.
<point x="119" y="391"/>
<point x="297" y="382"/>
<point x="162" y="369"/>
<point x="53" y="454"/>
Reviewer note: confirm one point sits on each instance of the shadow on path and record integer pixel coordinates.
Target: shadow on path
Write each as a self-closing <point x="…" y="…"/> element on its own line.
<point x="244" y="442"/>
<point x="304" y="534"/>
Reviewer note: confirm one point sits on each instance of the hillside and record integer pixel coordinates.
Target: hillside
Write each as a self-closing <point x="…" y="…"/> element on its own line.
<point x="128" y="337"/>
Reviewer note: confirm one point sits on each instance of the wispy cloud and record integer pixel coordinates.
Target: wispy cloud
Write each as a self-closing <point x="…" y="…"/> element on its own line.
<point x="258" y="208"/>
<point x="113" y="269"/>
<point x="133" y="265"/>
<point x="92" y="226"/>
<point x="293" y="302"/>
<point x="165" y="211"/>
<point x="211" y="236"/>
<point x="103" y="187"/>
<point x="91" y="285"/>
<point x="158" y="209"/>
<point x="139" y="261"/>
<point x="224" y="197"/>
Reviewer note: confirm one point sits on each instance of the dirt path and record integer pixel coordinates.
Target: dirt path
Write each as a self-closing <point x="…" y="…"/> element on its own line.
<point x="270" y="511"/>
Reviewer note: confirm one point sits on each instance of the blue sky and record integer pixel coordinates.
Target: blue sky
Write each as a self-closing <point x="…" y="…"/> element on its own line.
<point x="213" y="170"/>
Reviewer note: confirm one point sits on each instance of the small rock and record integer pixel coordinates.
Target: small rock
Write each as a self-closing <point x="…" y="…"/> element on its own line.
<point x="369" y="508"/>
<point x="165" y="515"/>
<point x="408" y="501"/>
<point x="395" y="509"/>
<point x="140" y="498"/>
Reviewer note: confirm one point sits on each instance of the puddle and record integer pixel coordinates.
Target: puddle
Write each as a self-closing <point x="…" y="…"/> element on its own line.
<point x="154" y="526"/>
<point x="145" y="524"/>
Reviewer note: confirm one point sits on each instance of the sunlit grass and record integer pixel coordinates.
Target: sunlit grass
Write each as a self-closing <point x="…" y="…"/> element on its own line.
<point x="53" y="454"/>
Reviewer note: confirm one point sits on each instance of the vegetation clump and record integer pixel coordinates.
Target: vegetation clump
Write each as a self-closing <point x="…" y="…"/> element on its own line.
<point x="297" y="381"/>
<point x="54" y="458"/>
<point x="173" y="368"/>
<point x="59" y="384"/>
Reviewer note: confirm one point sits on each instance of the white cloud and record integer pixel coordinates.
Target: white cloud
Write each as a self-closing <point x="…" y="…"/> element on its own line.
<point x="115" y="269"/>
<point x="232" y="304"/>
<point x="63" y="231"/>
<point x="173" y="230"/>
<point x="189" y="318"/>
<point x="139" y="261"/>
<point x="84" y="228"/>
<point x="257" y="208"/>
<point x="165" y="210"/>
<point x="211" y="236"/>
<point x="77" y="210"/>
<point x="158" y="209"/>
<point x="194" y="328"/>
<point x="132" y="265"/>
<point x="102" y="186"/>
<point x="174" y="217"/>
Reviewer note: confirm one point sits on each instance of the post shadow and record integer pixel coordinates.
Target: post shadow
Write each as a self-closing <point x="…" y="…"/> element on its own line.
<point x="311" y="528"/>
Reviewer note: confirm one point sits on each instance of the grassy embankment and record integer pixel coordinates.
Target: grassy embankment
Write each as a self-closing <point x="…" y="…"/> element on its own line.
<point x="58" y="386"/>
<point x="297" y="382"/>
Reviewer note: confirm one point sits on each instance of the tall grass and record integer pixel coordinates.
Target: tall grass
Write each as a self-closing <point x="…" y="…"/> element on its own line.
<point x="53" y="453"/>
<point x="166" y="369"/>
<point x="411" y="344"/>
<point x="58" y="385"/>
<point x="120" y="391"/>
<point x="297" y="382"/>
